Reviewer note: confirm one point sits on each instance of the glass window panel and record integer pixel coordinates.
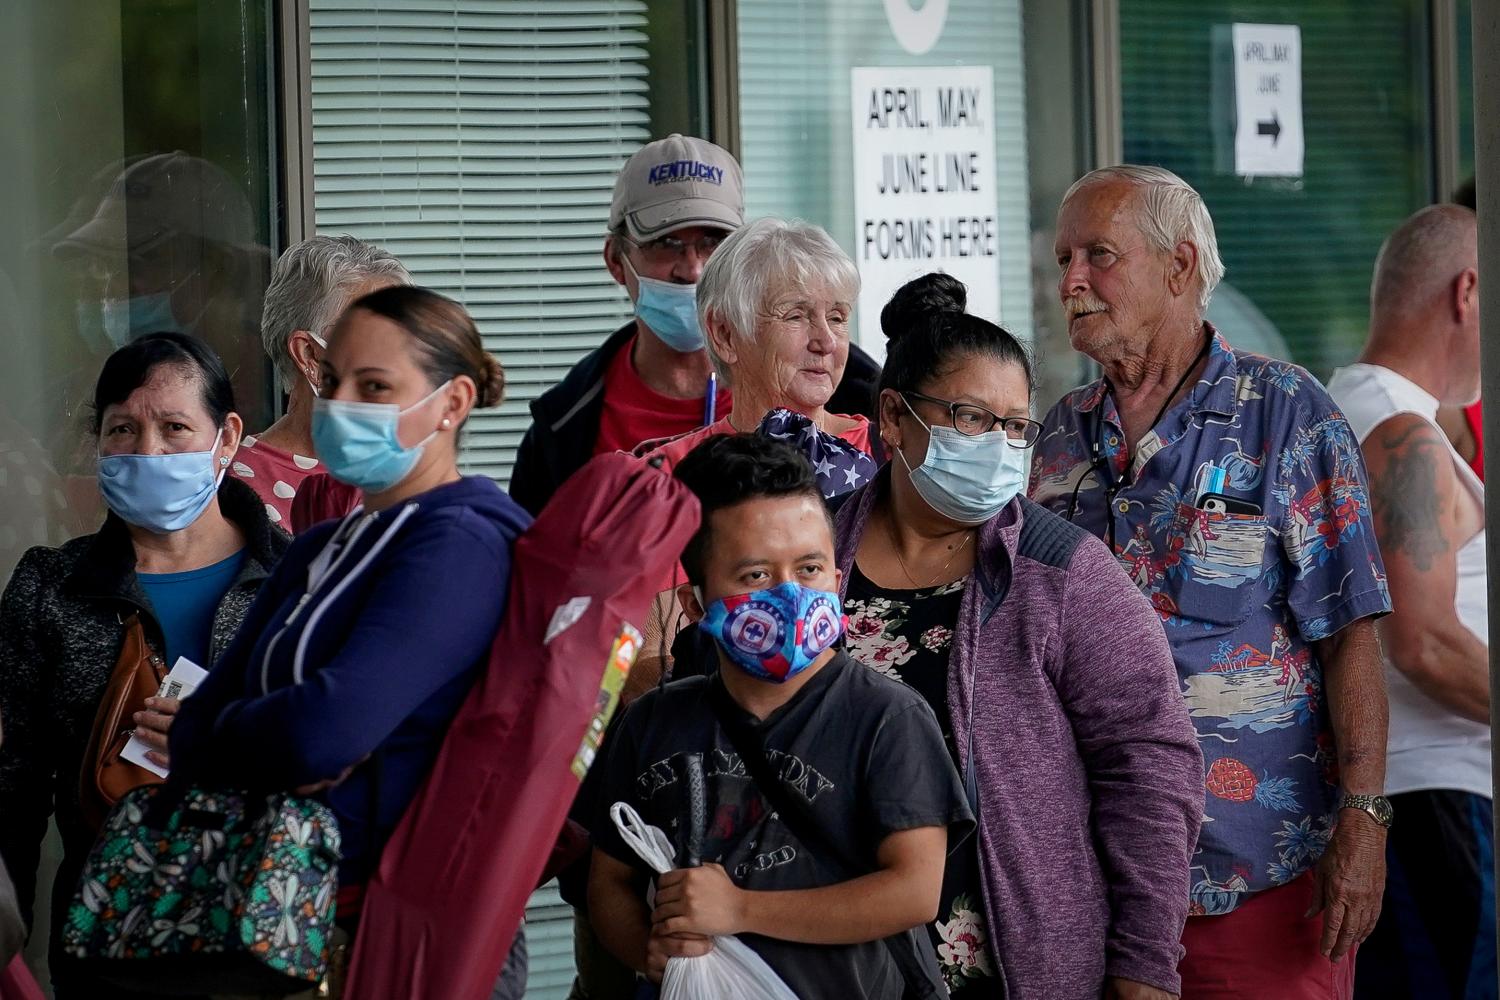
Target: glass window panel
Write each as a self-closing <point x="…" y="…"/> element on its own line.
<point x="795" y="58"/>
<point x="479" y="142"/>
<point x="137" y="196"/>
<point x="1464" y="27"/>
<point x="1299" y="251"/>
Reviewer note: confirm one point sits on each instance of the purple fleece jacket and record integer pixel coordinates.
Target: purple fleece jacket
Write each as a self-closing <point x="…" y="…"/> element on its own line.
<point x="1086" y="766"/>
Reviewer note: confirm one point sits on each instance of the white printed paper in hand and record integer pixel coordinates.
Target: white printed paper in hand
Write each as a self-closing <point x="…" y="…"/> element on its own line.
<point x="732" y="969"/>
<point x="181" y="682"/>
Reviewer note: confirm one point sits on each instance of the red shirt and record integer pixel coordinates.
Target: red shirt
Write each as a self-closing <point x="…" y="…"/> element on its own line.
<point x="635" y="412"/>
<point x="1474" y="414"/>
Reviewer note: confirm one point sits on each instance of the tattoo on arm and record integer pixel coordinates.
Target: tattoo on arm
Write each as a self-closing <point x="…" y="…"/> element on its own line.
<point x="1407" y="507"/>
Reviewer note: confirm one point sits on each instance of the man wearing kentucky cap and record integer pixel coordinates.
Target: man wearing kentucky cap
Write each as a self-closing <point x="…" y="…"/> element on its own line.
<point x="674" y="202"/>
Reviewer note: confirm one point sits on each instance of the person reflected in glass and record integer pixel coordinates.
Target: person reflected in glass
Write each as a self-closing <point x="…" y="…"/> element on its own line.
<point x="1048" y="671"/>
<point x="173" y="245"/>
<point x="183" y="548"/>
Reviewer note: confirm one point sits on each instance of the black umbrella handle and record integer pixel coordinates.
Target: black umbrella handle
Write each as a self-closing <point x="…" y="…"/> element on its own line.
<point x="697" y="812"/>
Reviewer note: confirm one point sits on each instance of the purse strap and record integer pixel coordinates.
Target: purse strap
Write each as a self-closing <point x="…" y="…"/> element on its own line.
<point x="749" y="744"/>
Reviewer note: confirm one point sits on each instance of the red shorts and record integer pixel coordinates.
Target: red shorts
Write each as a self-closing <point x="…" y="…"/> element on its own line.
<point x="1266" y="948"/>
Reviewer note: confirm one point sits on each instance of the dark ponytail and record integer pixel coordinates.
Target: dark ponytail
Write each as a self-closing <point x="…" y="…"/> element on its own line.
<point x="927" y="331"/>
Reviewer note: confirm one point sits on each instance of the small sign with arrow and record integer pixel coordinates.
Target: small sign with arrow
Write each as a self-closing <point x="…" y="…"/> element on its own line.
<point x="1268" y="140"/>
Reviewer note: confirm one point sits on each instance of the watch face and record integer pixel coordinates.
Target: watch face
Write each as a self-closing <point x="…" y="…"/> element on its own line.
<point x="1382" y="809"/>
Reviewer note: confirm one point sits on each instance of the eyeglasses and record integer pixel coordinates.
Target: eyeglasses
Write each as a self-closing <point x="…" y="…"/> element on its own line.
<point x="669" y="250"/>
<point x="971" y="420"/>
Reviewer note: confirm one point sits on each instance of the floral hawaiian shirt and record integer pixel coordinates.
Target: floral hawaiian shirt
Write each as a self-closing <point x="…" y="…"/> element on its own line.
<point x="1284" y="555"/>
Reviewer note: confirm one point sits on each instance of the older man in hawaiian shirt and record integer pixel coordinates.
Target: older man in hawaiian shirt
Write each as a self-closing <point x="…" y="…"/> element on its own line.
<point x="1233" y="492"/>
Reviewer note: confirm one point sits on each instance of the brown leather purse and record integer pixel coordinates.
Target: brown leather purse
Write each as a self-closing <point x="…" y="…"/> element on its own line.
<point x="106" y="776"/>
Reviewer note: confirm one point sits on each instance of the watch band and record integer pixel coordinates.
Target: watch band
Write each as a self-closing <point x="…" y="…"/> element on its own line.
<point x="1377" y="807"/>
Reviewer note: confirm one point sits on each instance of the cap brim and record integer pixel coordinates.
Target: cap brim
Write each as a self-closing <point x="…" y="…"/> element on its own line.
<point x="659" y="220"/>
<point x="93" y="237"/>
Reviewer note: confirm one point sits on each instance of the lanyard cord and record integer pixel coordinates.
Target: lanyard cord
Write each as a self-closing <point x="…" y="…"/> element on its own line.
<point x="1127" y="479"/>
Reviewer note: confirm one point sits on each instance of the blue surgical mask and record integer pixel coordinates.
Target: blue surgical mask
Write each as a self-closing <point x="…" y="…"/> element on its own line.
<point x="126" y="319"/>
<point x="774" y="635"/>
<point x="670" y="310"/>
<point x="967" y="478"/>
<point x="161" y="493"/>
<point x="359" y="445"/>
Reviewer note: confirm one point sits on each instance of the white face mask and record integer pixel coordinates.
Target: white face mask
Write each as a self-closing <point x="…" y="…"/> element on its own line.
<point x="967" y="478"/>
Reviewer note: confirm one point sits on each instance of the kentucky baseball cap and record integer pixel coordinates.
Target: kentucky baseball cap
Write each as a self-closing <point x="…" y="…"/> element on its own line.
<point x="678" y="182"/>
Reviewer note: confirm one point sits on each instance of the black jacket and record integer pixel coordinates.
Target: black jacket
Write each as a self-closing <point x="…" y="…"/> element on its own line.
<point x="565" y="418"/>
<point x="60" y="633"/>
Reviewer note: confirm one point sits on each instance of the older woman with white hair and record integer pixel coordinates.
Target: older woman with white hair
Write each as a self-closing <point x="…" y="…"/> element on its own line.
<point x="312" y="283"/>
<point x="775" y="303"/>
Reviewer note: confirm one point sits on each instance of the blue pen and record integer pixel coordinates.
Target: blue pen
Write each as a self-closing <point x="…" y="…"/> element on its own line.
<point x="711" y="399"/>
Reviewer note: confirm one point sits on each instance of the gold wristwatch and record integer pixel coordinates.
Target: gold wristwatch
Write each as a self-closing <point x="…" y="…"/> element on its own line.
<point x="1377" y="806"/>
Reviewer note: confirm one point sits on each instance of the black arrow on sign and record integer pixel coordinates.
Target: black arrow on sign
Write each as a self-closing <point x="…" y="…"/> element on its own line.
<point x="1271" y="128"/>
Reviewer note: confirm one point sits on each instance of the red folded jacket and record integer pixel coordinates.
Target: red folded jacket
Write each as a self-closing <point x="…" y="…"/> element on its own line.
<point x="17" y="983"/>
<point x="441" y="910"/>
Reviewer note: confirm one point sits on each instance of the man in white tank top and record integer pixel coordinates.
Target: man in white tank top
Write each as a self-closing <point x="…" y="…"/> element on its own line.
<point x="1436" y="932"/>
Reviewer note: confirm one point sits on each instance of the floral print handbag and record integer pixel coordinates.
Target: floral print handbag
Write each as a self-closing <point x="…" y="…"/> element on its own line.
<point x="199" y="891"/>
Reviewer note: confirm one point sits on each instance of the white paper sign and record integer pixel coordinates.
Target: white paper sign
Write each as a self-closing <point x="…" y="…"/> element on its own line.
<point x="924" y="185"/>
<point x="1268" y="139"/>
<point x="182" y="681"/>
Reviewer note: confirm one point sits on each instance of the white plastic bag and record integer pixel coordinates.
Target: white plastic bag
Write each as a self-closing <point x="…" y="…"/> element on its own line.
<point x="732" y="969"/>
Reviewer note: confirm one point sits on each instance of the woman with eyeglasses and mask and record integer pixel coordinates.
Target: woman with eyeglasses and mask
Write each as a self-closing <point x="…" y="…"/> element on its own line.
<point x="180" y="556"/>
<point x="369" y="635"/>
<point x="1048" y="671"/>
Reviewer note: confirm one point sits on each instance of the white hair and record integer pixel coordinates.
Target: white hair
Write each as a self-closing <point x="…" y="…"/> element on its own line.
<point x="761" y="259"/>
<point x="1171" y="212"/>
<point x="310" y="287"/>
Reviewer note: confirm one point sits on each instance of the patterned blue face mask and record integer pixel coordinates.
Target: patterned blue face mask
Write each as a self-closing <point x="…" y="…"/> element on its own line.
<point x="670" y="310"/>
<point x="161" y="493"/>
<point x="359" y="445"/>
<point x="774" y="635"/>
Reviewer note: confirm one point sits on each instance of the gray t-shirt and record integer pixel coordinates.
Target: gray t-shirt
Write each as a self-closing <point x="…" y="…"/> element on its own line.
<point x="863" y="752"/>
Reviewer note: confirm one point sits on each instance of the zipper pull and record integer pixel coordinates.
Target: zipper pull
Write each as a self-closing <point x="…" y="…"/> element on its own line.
<point x="301" y="601"/>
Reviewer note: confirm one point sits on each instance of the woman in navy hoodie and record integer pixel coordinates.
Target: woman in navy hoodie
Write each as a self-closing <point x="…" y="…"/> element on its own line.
<point x="367" y="637"/>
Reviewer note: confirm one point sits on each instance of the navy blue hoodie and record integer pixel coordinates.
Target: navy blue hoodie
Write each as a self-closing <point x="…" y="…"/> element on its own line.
<point x="367" y="637"/>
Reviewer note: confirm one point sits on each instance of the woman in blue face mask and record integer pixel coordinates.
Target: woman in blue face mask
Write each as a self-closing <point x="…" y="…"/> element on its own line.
<point x="366" y="640"/>
<point x="177" y="562"/>
<point x="1049" y="673"/>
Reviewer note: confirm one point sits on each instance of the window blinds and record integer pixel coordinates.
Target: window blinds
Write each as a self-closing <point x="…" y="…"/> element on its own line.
<point x="479" y="140"/>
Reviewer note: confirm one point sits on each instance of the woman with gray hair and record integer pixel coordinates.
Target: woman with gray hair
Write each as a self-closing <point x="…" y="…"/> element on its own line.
<point x="775" y="303"/>
<point x="312" y="283"/>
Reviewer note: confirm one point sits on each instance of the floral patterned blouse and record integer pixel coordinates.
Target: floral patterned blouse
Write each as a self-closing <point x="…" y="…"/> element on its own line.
<point x="907" y="635"/>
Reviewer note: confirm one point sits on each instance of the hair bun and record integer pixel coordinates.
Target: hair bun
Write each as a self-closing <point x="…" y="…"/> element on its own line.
<point x="491" y="383"/>
<point x="918" y="301"/>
